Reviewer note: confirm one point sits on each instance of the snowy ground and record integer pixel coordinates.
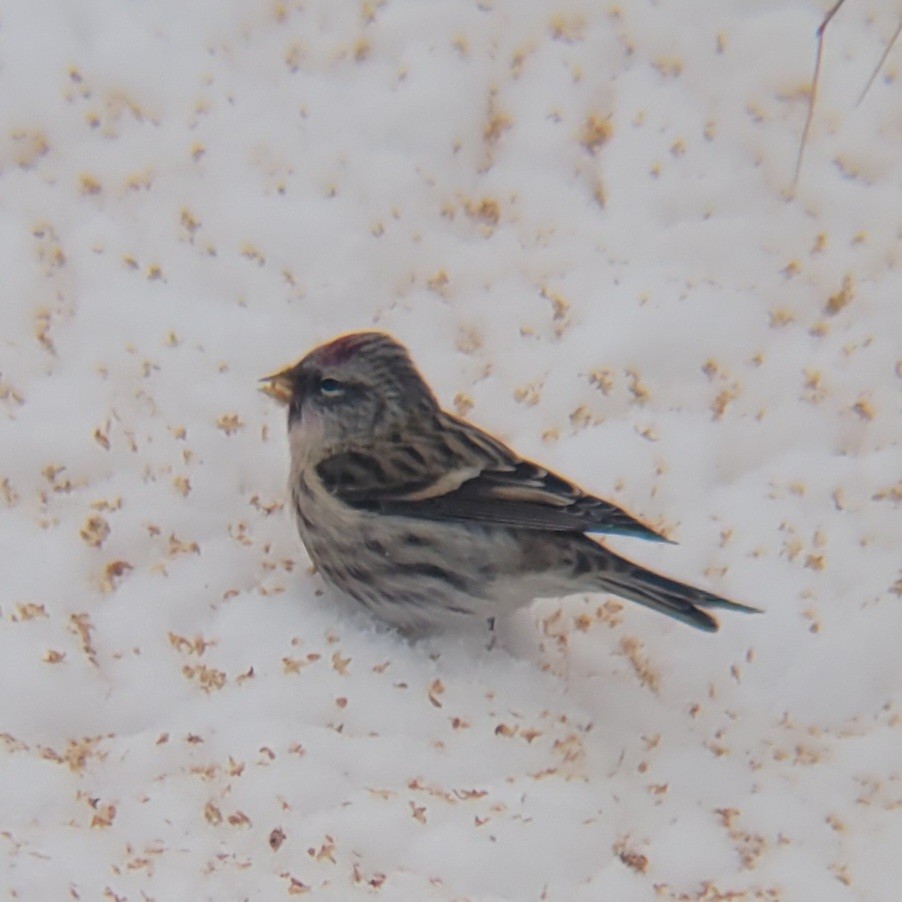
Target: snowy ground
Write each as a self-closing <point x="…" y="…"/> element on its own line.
<point x="577" y="216"/>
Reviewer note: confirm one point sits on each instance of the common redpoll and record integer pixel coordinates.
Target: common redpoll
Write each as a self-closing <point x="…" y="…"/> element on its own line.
<point x="424" y="518"/>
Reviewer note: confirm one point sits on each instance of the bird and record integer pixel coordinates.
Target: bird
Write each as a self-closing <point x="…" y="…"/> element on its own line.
<point x="427" y="520"/>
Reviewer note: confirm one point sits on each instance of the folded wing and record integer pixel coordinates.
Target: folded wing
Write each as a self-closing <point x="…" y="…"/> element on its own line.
<point x="459" y="473"/>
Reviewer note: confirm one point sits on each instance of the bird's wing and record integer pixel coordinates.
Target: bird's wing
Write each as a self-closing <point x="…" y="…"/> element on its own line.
<point x="460" y="473"/>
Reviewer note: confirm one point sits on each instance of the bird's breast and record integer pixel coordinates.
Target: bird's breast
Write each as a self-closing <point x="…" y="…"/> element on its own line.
<point x="306" y="438"/>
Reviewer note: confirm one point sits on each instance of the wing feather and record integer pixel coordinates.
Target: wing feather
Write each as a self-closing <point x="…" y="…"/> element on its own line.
<point x="459" y="473"/>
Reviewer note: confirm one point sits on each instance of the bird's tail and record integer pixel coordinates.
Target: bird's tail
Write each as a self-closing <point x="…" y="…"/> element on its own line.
<point x="622" y="577"/>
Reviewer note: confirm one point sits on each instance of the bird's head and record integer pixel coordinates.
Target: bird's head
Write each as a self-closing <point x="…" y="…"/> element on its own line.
<point x="351" y="391"/>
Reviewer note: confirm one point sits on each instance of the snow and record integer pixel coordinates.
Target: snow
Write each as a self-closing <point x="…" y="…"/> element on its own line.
<point x="579" y="218"/>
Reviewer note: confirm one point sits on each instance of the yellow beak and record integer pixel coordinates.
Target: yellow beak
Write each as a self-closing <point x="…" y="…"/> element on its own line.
<point x="278" y="386"/>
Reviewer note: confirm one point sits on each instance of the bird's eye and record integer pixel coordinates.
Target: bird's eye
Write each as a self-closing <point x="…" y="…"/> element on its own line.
<point x="331" y="388"/>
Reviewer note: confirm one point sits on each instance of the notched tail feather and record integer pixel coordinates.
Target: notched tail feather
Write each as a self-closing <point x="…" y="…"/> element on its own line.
<point x="677" y="600"/>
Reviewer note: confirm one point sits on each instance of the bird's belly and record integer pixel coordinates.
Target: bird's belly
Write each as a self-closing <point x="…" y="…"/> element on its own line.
<point x="416" y="573"/>
<point x="410" y="573"/>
